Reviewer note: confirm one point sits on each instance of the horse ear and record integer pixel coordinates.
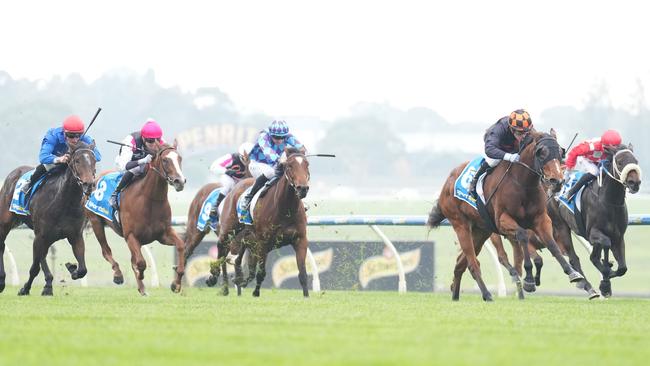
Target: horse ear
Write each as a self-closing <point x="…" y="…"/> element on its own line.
<point x="629" y="146"/>
<point x="92" y="145"/>
<point x="283" y="157"/>
<point x="175" y="144"/>
<point x="553" y="133"/>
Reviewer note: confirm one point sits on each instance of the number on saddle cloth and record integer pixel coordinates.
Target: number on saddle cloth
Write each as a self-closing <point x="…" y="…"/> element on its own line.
<point x="20" y="200"/>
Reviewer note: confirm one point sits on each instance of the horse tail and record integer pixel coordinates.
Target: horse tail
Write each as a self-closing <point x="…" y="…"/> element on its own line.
<point x="435" y="216"/>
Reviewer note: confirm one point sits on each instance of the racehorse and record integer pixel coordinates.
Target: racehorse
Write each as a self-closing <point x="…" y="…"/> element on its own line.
<point x="56" y="212"/>
<point x="519" y="204"/>
<point x="603" y="214"/>
<point x="193" y="236"/>
<point x="279" y="219"/>
<point x="145" y="216"/>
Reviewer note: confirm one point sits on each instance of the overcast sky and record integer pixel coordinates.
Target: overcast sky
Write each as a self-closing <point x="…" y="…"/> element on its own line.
<point x="468" y="60"/>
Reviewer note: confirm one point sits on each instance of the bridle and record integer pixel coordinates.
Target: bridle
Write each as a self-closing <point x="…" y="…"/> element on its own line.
<point x="621" y="173"/>
<point x="164" y="173"/>
<point x="539" y="163"/>
<point x="289" y="179"/>
<point x="74" y="172"/>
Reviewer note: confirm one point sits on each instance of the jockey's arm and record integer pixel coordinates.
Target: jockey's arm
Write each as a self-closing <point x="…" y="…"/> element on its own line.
<point x="87" y="139"/>
<point x="125" y="154"/>
<point x="46" y="155"/>
<point x="492" y="140"/>
<point x="579" y="150"/>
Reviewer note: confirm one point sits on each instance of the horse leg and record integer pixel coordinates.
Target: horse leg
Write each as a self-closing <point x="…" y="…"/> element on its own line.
<point x="459" y="269"/>
<point x="503" y="259"/>
<point x="467" y="245"/>
<point x="138" y="263"/>
<point x="47" y="289"/>
<point x="4" y="231"/>
<point x="239" y="274"/>
<point x="223" y="258"/>
<point x="261" y="272"/>
<point x="78" y="249"/>
<point x="100" y="233"/>
<point x="510" y="227"/>
<point x="300" y="247"/>
<point x="193" y="238"/>
<point x="619" y="254"/>
<point x="544" y="230"/>
<point x="39" y="251"/>
<point x="602" y="242"/>
<point x="171" y="238"/>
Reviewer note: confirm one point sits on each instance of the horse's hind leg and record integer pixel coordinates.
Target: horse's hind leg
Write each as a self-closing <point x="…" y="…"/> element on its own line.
<point x="79" y="250"/>
<point x="100" y="233"/>
<point x="40" y="248"/>
<point x="467" y="245"/>
<point x="459" y="269"/>
<point x="4" y="231"/>
<point x="47" y="289"/>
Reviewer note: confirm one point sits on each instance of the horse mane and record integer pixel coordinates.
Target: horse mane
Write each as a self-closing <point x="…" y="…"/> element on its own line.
<point x="292" y="150"/>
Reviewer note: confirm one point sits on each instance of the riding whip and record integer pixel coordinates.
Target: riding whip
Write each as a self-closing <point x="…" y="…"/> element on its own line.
<point x="99" y="109"/>
<point x="121" y="144"/>
<point x="322" y="155"/>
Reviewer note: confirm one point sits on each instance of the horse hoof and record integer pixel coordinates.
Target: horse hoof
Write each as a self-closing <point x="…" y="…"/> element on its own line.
<point x="538" y="281"/>
<point x="256" y="293"/>
<point x="575" y="276"/>
<point x="593" y="294"/>
<point x="175" y="288"/>
<point x="118" y="280"/>
<point x="2" y="287"/>
<point x="23" y="292"/>
<point x="225" y="291"/>
<point x="47" y="291"/>
<point x="488" y="298"/>
<point x="606" y="288"/>
<point x="211" y="281"/>
<point x="529" y="286"/>
<point x="144" y="293"/>
<point x="71" y="267"/>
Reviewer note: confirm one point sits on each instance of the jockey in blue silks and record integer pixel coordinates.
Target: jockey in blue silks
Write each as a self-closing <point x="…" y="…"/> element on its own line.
<point x="54" y="147"/>
<point x="266" y="153"/>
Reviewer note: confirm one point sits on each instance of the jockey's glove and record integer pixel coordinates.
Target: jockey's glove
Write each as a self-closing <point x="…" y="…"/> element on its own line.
<point x="511" y="157"/>
<point x="145" y="160"/>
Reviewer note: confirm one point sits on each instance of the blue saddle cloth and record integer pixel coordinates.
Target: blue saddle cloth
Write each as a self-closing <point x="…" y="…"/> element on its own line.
<point x="20" y="203"/>
<point x="204" y="215"/>
<point x="574" y="203"/>
<point x="97" y="203"/>
<point x="461" y="186"/>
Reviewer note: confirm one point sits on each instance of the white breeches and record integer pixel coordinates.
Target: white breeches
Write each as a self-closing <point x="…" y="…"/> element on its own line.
<point x="587" y="166"/>
<point x="256" y="168"/>
<point x="491" y="162"/>
<point x="227" y="182"/>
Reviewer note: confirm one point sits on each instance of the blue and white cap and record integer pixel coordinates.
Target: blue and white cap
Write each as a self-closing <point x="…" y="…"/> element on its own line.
<point x="278" y="128"/>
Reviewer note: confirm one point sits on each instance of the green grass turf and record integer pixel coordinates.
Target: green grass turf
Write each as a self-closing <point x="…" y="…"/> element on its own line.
<point x="102" y="326"/>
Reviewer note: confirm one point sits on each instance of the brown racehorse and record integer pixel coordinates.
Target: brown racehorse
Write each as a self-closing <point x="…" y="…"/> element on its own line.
<point x="56" y="213"/>
<point x="145" y="216"/>
<point x="516" y="202"/>
<point x="278" y="219"/>
<point x="193" y="236"/>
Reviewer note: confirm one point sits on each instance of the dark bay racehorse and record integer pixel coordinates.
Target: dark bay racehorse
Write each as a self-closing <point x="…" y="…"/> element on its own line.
<point x="145" y="216"/>
<point x="193" y="236"/>
<point x="57" y="213"/>
<point x="516" y="202"/>
<point x="279" y="219"/>
<point x="604" y="214"/>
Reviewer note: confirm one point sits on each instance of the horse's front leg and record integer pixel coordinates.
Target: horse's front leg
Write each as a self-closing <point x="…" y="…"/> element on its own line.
<point x="601" y="242"/>
<point x="511" y="228"/>
<point x="619" y="254"/>
<point x="40" y="247"/>
<point x="78" y="245"/>
<point x="300" y="246"/>
<point x="171" y="238"/>
<point x="544" y="230"/>
<point x="261" y="270"/>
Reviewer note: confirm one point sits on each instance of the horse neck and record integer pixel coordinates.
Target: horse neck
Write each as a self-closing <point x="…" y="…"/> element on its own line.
<point x="154" y="185"/>
<point x="67" y="185"/>
<point x="521" y="174"/>
<point x="285" y="196"/>
<point x="612" y="190"/>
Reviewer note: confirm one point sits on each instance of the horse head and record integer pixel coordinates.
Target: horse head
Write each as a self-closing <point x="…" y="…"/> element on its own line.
<point x="82" y="165"/>
<point x="546" y="154"/>
<point x="167" y="163"/>
<point x="296" y="170"/>
<point x="625" y="167"/>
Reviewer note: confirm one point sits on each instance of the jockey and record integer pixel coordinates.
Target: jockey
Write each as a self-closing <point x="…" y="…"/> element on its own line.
<point x="266" y="153"/>
<point x="586" y="155"/>
<point x="233" y="168"/>
<point x="500" y="141"/>
<point x="54" y="147"/>
<point x="134" y="160"/>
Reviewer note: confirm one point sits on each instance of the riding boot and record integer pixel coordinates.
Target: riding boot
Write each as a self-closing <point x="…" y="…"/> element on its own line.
<point x="583" y="181"/>
<point x="482" y="169"/>
<point x="125" y="181"/>
<point x="259" y="183"/>
<point x="38" y="173"/>
<point x="214" y="212"/>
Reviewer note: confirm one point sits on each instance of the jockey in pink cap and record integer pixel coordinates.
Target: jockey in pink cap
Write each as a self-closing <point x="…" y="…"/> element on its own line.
<point x="134" y="160"/>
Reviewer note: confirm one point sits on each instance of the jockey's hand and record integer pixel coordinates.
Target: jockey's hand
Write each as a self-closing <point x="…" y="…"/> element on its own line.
<point x="145" y="160"/>
<point x="62" y="159"/>
<point x="511" y="157"/>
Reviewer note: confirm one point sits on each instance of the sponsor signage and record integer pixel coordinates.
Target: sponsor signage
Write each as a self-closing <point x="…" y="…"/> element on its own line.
<point x="341" y="265"/>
